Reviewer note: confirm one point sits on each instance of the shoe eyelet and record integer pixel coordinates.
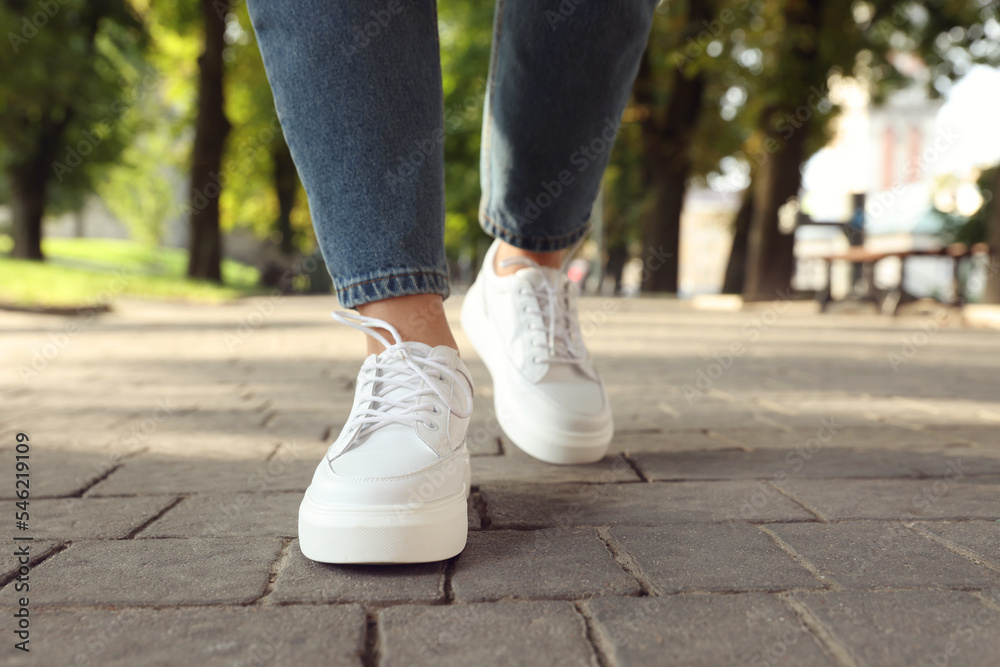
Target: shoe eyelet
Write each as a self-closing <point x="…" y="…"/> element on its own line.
<point x="431" y="426"/>
<point x="435" y="410"/>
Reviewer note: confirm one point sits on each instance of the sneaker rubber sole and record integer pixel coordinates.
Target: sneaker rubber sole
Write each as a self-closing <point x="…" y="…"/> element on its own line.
<point x="348" y="534"/>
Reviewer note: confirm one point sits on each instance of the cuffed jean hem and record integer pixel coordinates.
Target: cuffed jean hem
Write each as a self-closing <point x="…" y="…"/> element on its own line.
<point x="377" y="288"/>
<point x="533" y="244"/>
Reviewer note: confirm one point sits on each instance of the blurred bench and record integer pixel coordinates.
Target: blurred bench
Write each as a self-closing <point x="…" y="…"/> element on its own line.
<point x="889" y="301"/>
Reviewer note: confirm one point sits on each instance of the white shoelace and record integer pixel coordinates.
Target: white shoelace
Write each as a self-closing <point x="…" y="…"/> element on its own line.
<point x="563" y="341"/>
<point x="399" y="368"/>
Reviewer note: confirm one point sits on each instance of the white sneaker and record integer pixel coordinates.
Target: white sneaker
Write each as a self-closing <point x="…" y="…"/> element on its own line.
<point x="548" y="397"/>
<point x="393" y="487"/>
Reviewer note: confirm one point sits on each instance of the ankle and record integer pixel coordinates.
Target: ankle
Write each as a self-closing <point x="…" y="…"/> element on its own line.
<point x="417" y="317"/>
<point x="505" y="250"/>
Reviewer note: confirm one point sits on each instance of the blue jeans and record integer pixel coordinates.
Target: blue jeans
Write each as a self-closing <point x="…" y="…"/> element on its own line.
<point x="365" y="125"/>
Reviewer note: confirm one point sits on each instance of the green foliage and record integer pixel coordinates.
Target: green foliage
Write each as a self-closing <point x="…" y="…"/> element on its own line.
<point x="72" y="70"/>
<point x="466" y="29"/>
<point x="975" y="228"/>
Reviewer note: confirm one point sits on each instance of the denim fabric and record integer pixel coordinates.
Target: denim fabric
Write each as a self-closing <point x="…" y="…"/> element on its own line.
<point x="357" y="86"/>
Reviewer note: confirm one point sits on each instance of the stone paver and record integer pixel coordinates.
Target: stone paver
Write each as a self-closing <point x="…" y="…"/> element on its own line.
<point x="302" y="580"/>
<point x="808" y="504"/>
<point x="209" y="636"/>
<point x="907" y="628"/>
<point x="528" y="506"/>
<point x="557" y="563"/>
<point x="502" y="634"/>
<point x="705" y="630"/>
<point x="153" y="572"/>
<point x="658" y="440"/>
<point x="67" y="473"/>
<point x="37" y="550"/>
<point x="898" y="498"/>
<point x="868" y="436"/>
<point x="519" y="467"/>
<point x="775" y="464"/>
<point x="94" y="518"/>
<point x="872" y="554"/>
<point x="229" y="515"/>
<point x="147" y="475"/>
<point x="980" y="537"/>
<point x="718" y="557"/>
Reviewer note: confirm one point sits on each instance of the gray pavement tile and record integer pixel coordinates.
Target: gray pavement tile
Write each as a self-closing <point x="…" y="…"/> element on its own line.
<point x="858" y="436"/>
<point x="775" y="464"/>
<point x="153" y="572"/>
<point x="93" y="518"/>
<point x="152" y="475"/>
<point x="984" y="435"/>
<point x="554" y="505"/>
<point x="229" y="515"/>
<point x="714" y="557"/>
<point x="881" y="554"/>
<point x="93" y="431"/>
<point x="909" y="628"/>
<point x="703" y="414"/>
<point x="303" y="580"/>
<point x="517" y="466"/>
<point x="975" y="498"/>
<point x="257" y="446"/>
<point x="704" y="630"/>
<point x="246" y="421"/>
<point x="652" y="440"/>
<point x="972" y="461"/>
<point x="499" y="634"/>
<point x="213" y="637"/>
<point x="59" y="472"/>
<point x="980" y="537"/>
<point x="36" y="550"/>
<point x="558" y="563"/>
<point x="304" y="426"/>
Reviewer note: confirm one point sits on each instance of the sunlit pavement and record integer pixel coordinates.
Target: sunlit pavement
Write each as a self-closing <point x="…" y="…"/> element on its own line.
<point x="785" y="488"/>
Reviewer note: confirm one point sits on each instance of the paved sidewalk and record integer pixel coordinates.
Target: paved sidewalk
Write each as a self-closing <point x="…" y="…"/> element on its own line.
<point x="784" y="489"/>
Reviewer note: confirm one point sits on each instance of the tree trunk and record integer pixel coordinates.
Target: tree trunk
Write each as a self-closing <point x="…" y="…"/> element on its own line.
<point x="737" y="265"/>
<point x="663" y="229"/>
<point x="668" y="147"/>
<point x="211" y="128"/>
<point x="285" y="186"/>
<point x="28" y="185"/>
<point x="991" y="294"/>
<point x="770" y="252"/>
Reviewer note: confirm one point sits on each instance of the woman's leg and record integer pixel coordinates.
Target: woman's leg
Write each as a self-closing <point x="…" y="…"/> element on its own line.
<point x="357" y="86"/>
<point x="560" y="76"/>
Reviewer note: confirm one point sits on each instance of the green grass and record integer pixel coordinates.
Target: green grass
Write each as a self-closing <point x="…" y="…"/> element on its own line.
<point x="85" y="272"/>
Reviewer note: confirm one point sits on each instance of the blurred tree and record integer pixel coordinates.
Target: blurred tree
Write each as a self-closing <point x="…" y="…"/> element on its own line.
<point x="262" y="190"/>
<point x="466" y="30"/>
<point x="981" y="227"/>
<point x="992" y="292"/>
<point x="72" y="70"/>
<point x="668" y="129"/>
<point x="210" y="130"/>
